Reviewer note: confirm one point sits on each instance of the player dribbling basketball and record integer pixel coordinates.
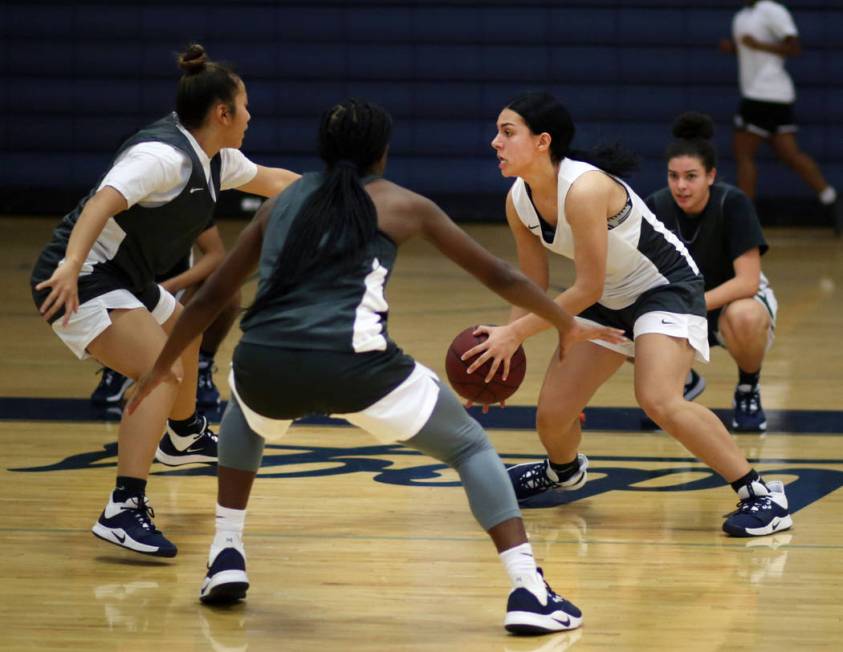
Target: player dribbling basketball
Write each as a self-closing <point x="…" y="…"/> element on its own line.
<point x="631" y="273"/>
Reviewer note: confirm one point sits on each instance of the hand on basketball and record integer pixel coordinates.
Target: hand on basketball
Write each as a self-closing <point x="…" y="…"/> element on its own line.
<point x="498" y="347"/>
<point x="64" y="292"/>
<point x="145" y="386"/>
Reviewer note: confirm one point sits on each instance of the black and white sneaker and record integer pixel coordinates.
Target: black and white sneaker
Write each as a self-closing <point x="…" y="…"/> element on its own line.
<point x="207" y="394"/>
<point x="749" y="416"/>
<point x="226" y="581"/>
<point x="534" y="478"/>
<point x="694" y="386"/>
<point x="199" y="447"/>
<point x="128" y="524"/>
<point x="527" y="614"/>
<point x="111" y="388"/>
<point x="762" y="510"/>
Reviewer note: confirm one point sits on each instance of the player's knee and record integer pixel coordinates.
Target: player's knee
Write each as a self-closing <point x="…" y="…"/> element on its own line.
<point x="657" y="404"/>
<point x="790" y="158"/>
<point x="240" y="447"/>
<point x="745" y="320"/>
<point x="178" y="370"/>
<point x="450" y="434"/>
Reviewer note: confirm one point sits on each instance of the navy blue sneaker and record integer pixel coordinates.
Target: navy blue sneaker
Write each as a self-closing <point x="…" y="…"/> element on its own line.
<point x="694" y="386"/>
<point x="534" y="478"/>
<point x="197" y="447"/>
<point x="207" y="394"/>
<point x="749" y="415"/>
<point x="128" y="524"/>
<point x="111" y="388"/>
<point x="226" y="580"/>
<point x="527" y="614"/>
<point x="762" y="510"/>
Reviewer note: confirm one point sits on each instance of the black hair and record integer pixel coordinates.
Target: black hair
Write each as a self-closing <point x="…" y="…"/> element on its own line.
<point x="203" y="83"/>
<point x="544" y="113"/>
<point x="339" y="218"/>
<point x="692" y="133"/>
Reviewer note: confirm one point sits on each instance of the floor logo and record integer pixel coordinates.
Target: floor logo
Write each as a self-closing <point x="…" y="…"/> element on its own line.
<point x="807" y="480"/>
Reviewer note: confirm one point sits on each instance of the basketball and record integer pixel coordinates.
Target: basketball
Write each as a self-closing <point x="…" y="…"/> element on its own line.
<point x="473" y="387"/>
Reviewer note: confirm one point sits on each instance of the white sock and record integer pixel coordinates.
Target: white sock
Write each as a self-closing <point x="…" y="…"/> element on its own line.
<point x="520" y="565"/>
<point x="229" y="530"/>
<point x="828" y="195"/>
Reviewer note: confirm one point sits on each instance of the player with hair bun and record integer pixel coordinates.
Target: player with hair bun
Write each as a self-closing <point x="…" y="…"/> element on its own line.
<point x="94" y="282"/>
<point x="718" y="225"/>
<point x="315" y="341"/>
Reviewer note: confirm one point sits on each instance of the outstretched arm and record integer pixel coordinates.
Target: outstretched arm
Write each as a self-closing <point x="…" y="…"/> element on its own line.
<point x="496" y="274"/>
<point x="500" y="277"/>
<point x="268" y="182"/>
<point x="211" y="298"/>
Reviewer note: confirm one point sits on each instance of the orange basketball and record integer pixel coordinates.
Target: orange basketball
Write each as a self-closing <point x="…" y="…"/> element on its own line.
<point x="474" y="387"/>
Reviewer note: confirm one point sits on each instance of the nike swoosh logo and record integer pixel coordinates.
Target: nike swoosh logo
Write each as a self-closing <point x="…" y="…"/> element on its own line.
<point x="120" y="538"/>
<point x="532" y="226"/>
<point x="664" y="321"/>
<point x="192" y="190"/>
<point x="565" y="622"/>
<point x="194" y="449"/>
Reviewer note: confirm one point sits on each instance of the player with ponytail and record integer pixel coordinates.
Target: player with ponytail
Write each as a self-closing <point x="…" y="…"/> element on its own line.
<point x="315" y="341"/>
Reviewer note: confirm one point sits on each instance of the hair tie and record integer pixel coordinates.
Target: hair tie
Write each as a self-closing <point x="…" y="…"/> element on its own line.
<point x="347" y="163"/>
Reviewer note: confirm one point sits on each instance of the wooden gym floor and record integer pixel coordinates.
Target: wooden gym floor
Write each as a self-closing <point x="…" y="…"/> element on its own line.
<point x="357" y="546"/>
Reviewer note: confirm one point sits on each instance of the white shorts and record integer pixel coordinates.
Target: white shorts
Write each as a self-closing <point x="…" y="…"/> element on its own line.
<point x="689" y="327"/>
<point x="92" y="318"/>
<point x="398" y="416"/>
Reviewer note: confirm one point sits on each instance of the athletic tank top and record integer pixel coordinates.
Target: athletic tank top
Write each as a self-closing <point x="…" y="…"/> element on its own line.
<point x="140" y="243"/>
<point x="328" y="310"/>
<point x="642" y="253"/>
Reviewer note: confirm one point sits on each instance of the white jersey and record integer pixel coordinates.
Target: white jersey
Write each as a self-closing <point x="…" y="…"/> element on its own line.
<point x="762" y="75"/>
<point x="642" y="253"/>
<point x="154" y="173"/>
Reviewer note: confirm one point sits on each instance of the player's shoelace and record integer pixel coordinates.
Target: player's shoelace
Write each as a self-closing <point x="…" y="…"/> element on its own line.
<point x="753" y="505"/>
<point x="536" y="478"/>
<point x="748" y="403"/>
<point x="143" y="513"/>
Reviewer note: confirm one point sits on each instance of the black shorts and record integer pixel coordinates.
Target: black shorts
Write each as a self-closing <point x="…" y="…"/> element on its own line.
<point x="683" y="297"/>
<point x="290" y="383"/>
<point x="765" y="119"/>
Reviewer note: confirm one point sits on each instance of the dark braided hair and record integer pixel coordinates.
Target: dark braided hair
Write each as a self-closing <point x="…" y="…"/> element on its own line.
<point x="692" y="133"/>
<point x="543" y="113"/>
<point x="337" y="221"/>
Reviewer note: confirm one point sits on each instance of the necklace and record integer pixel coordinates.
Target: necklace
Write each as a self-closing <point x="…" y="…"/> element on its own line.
<point x="693" y="236"/>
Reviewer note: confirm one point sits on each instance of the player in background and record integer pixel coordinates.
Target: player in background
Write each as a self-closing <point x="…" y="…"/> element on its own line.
<point x="718" y="225"/>
<point x="764" y="35"/>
